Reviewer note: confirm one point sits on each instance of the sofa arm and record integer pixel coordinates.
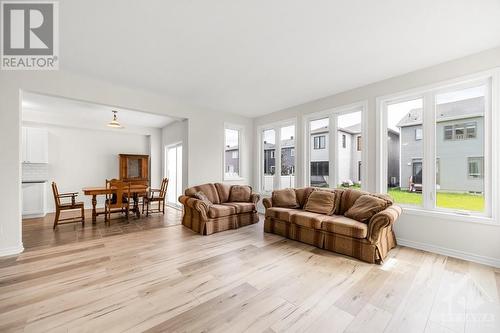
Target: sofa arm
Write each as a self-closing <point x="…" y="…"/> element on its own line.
<point x="267" y="202"/>
<point x="195" y="204"/>
<point x="381" y="220"/>
<point x="254" y="198"/>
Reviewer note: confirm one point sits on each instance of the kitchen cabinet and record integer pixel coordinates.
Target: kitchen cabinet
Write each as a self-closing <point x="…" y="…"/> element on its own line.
<point x="33" y="199"/>
<point x="35" y="145"/>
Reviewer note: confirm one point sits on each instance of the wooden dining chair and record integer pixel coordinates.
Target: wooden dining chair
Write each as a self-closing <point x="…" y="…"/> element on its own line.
<point x="156" y="195"/>
<point x="117" y="200"/>
<point x="63" y="206"/>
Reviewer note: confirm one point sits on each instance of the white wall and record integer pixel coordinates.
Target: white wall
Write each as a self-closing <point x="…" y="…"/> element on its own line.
<point x="205" y="133"/>
<point x="81" y="158"/>
<point x="479" y="242"/>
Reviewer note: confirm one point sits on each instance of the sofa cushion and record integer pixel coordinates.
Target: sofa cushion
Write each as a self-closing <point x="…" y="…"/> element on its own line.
<point x="223" y="191"/>
<point x="342" y="225"/>
<point x="322" y="202"/>
<point x="216" y="211"/>
<point x="281" y="213"/>
<point x="302" y="194"/>
<point x="285" y="198"/>
<point x="201" y="196"/>
<point x="308" y="219"/>
<point x="240" y="193"/>
<point x="365" y="207"/>
<point x="349" y="196"/>
<point x="209" y="190"/>
<point x="241" y="207"/>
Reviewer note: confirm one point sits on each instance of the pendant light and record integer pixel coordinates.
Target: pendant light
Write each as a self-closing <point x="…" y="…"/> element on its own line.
<point x="114" y="123"/>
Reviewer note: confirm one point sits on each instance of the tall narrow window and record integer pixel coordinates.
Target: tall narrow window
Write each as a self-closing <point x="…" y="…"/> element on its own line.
<point x="460" y="185"/>
<point x="287" y="138"/>
<point x="349" y="149"/>
<point x="319" y="152"/>
<point x="405" y="151"/>
<point x="231" y="153"/>
<point x="269" y="159"/>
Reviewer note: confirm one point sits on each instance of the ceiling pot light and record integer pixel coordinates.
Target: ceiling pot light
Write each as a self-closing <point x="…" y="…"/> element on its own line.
<point x="114" y="123"/>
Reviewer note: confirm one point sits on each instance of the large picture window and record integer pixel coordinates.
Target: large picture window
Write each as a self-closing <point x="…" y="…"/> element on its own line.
<point x="338" y="162"/>
<point x="436" y="156"/>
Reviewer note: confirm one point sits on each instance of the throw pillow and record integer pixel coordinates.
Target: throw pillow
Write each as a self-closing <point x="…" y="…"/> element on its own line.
<point x="202" y="196"/>
<point x="240" y="193"/>
<point x="365" y="207"/>
<point x="285" y="198"/>
<point x="321" y="202"/>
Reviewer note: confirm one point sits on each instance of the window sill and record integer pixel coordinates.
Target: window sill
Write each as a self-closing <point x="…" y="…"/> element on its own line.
<point x="449" y="216"/>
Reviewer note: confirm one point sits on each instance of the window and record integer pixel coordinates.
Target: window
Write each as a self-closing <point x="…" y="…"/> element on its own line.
<point x="358" y="143"/>
<point x="319" y="142"/>
<point x="319" y="155"/>
<point x="287" y="140"/>
<point x="348" y="157"/>
<point x="448" y="132"/>
<point x="268" y="147"/>
<point x="475" y="165"/>
<point x="418" y="134"/>
<point x="231" y="153"/>
<point x="454" y="171"/>
<point x="344" y="144"/>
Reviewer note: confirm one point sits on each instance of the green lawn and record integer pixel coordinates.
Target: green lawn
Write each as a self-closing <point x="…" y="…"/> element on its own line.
<point x="463" y="201"/>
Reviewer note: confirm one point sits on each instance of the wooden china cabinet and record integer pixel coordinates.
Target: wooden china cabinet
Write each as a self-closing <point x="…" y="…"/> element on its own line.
<point x="134" y="169"/>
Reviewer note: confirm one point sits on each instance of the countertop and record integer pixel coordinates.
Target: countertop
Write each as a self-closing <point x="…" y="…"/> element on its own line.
<point x="33" y="181"/>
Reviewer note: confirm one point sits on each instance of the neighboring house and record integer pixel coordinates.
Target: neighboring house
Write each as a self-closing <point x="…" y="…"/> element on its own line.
<point x="459" y="146"/>
<point x="287" y="157"/>
<point x="232" y="160"/>
<point x="393" y="158"/>
<point x="349" y="152"/>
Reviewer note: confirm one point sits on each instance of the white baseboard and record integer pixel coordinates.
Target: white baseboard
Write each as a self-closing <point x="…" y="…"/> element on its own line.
<point x="450" y="252"/>
<point x="8" y="251"/>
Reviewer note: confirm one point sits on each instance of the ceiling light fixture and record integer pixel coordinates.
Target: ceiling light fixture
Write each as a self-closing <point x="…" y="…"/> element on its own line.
<point x="114" y="123"/>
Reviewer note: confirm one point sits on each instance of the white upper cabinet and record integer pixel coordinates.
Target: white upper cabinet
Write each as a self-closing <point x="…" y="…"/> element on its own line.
<point x="35" y="145"/>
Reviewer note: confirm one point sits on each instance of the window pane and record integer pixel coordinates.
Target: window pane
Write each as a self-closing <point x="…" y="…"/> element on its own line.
<point x="232" y="156"/>
<point x="287" y="137"/>
<point x="319" y="152"/>
<point x="349" y="149"/>
<point x="405" y="152"/>
<point x="460" y="178"/>
<point x="269" y="146"/>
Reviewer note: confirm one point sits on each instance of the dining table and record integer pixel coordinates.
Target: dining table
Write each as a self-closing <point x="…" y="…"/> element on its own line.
<point x="136" y="190"/>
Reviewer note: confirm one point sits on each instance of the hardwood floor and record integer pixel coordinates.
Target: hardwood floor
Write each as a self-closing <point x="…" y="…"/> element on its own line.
<point x="38" y="232"/>
<point x="173" y="280"/>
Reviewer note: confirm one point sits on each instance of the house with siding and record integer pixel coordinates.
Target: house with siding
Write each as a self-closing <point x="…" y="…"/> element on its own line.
<point x="459" y="146"/>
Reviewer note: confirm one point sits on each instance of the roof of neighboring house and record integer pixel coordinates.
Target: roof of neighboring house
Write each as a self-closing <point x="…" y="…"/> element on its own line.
<point x="466" y="108"/>
<point x="229" y="148"/>
<point x="320" y="130"/>
<point x="353" y="129"/>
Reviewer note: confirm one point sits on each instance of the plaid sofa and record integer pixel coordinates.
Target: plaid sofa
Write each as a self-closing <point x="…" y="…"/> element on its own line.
<point x="221" y="215"/>
<point x="369" y="241"/>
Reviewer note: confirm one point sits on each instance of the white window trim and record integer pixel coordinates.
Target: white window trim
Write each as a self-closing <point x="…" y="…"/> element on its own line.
<point x="276" y="126"/>
<point x="332" y="114"/>
<point x="491" y="145"/>
<point x="241" y="130"/>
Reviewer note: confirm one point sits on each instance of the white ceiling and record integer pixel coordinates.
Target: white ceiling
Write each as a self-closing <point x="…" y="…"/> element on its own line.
<point x="257" y="56"/>
<point x="66" y="112"/>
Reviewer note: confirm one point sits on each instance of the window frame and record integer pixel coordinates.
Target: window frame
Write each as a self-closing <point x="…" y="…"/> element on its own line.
<point x="277" y="157"/>
<point x="332" y="115"/>
<point x="240" y="129"/>
<point x="491" y="145"/>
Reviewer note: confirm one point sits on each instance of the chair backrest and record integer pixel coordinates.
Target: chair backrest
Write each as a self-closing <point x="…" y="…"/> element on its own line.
<point x="120" y="189"/>
<point x="55" y="191"/>
<point x="163" y="188"/>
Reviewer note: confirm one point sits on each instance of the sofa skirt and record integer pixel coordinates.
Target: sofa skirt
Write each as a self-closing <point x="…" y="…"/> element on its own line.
<point x="193" y="220"/>
<point x="361" y="249"/>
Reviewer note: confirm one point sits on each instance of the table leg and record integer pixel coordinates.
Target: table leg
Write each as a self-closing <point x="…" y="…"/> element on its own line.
<point x="94" y="212"/>
<point x="136" y="205"/>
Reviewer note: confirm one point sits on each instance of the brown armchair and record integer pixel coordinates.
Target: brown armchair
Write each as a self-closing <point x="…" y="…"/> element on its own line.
<point x="118" y="199"/>
<point x="72" y="205"/>
<point x="156" y="195"/>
